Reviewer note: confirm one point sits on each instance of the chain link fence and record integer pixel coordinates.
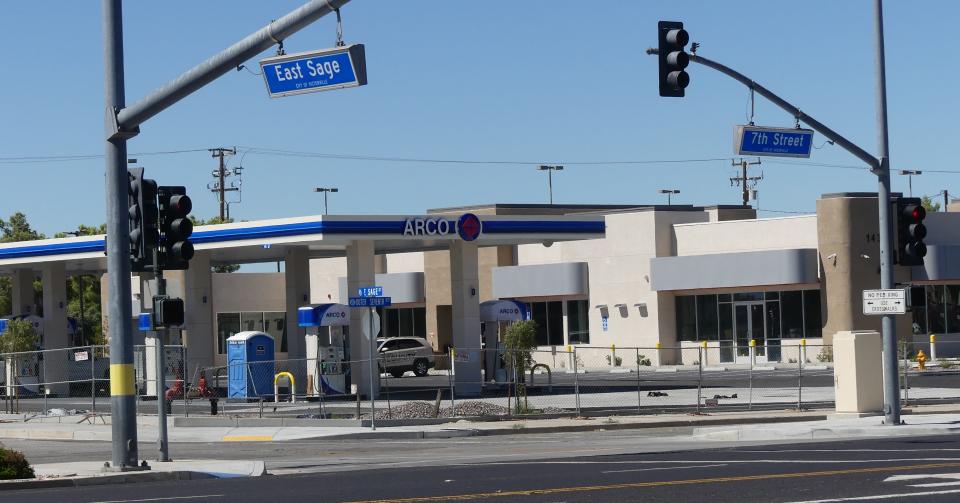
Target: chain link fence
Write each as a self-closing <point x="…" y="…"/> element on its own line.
<point x="78" y="378"/>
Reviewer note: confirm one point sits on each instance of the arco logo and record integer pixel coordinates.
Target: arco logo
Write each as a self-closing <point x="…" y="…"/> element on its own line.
<point x="469" y="227"/>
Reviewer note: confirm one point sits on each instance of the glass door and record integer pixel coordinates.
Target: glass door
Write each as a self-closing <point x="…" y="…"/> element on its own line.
<point x="748" y="325"/>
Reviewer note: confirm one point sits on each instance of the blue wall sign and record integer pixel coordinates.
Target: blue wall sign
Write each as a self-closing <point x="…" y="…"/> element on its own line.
<point x="369" y="301"/>
<point x="777" y="142"/>
<point x="307" y="72"/>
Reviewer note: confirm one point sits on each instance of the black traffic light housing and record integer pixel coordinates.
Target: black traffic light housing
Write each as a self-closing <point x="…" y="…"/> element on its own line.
<point x="672" y="39"/>
<point x="167" y="312"/>
<point x="910" y="231"/>
<point x="175" y="227"/>
<point x="142" y="219"/>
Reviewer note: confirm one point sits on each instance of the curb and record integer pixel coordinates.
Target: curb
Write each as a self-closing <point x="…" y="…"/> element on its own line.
<point x="125" y="478"/>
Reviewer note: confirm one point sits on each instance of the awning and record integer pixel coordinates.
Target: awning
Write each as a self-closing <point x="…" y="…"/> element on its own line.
<point x="323" y="315"/>
<point x="502" y="310"/>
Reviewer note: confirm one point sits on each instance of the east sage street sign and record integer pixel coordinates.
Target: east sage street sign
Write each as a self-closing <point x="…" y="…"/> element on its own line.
<point x="771" y="141"/>
<point x="308" y="72"/>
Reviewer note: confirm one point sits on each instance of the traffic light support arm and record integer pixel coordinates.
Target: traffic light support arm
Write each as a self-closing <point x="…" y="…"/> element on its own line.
<point x="832" y="135"/>
<point x="129" y="118"/>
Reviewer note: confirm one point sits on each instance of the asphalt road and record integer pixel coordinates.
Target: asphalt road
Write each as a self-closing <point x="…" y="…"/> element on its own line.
<point x="920" y="469"/>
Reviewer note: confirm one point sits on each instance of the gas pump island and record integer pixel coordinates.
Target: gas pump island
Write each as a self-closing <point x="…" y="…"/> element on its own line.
<point x="328" y="348"/>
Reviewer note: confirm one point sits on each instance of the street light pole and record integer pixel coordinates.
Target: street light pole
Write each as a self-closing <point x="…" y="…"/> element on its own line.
<point x="550" y="170"/>
<point x="325" y="190"/>
<point x="669" y="193"/>
<point x="909" y="174"/>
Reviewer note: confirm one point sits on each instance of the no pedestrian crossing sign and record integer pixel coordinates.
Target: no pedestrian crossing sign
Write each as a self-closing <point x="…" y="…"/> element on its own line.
<point x="880" y="302"/>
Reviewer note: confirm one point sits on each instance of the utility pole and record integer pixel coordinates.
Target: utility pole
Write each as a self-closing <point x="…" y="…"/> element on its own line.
<point x="744" y="181"/>
<point x="946" y="199"/>
<point x="123" y="123"/>
<point x="221" y="174"/>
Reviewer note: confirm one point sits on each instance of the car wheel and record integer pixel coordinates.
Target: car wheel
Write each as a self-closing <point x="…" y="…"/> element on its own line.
<point x="420" y="367"/>
<point x="397" y="373"/>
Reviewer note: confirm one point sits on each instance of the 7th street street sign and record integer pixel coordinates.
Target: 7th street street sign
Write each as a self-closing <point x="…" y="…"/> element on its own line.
<point x="893" y="301"/>
<point x="771" y="141"/>
<point x="307" y="72"/>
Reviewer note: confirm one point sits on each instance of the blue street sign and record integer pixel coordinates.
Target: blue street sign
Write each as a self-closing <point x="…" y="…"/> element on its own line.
<point x="778" y="142"/>
<point x="307" y="72"/>
<point x="369" y="302"/>
<point x="370" y="291"/>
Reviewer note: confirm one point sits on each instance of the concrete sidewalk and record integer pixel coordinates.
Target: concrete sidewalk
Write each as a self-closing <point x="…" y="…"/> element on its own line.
<point x="88" y="473"/>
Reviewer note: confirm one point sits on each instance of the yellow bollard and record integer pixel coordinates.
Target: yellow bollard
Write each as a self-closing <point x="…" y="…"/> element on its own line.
<point x="933" y="347"/>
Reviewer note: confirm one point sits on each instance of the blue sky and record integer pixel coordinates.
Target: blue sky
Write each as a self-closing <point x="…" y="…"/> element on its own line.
<point x="535" y="81"/>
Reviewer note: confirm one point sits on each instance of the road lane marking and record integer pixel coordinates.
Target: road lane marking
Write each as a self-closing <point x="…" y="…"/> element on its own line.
<point x="730" y="461"/>
<point x="882" y="497"/>
<point x="639" y="485"/>
<point x="171" y="498"/>
<point x="663" y="468"/>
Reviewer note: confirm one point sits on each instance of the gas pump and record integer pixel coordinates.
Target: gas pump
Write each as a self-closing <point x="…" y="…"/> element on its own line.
<point x="495" y="314"/>
<point x="327" y="345"/>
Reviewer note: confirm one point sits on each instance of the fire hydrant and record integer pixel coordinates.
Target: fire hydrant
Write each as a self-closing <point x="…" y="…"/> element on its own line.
<point x="921" y="360"/>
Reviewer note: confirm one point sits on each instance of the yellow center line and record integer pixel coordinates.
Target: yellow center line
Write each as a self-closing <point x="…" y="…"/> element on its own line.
<point x="247" y="438"/>
<point x="636" y="485"/>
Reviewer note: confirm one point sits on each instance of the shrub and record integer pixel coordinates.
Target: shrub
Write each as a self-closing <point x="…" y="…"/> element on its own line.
<point x="519" y="340"/>
<point x="616" y="362"/>
<point x="643" y="361"/>
<point x="13" y="465"/>
<point x="825" y="355"/>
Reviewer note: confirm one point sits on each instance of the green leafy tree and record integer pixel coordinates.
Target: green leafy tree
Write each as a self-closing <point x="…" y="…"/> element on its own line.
<point x="197" y="222"/>
<point x="14" y="229"/>
<point x="929" y="204"/>
<point x="87" y="286"/>
<point x="20" y="336"/>
<point x="519" y="340"/>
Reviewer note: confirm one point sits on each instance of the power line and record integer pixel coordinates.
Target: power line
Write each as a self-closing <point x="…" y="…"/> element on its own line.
<point x="32" y="159"/>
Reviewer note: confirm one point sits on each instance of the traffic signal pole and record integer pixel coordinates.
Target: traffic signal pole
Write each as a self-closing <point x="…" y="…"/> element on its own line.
<point x="121" y="124"/>
<point x="879" y="166"/>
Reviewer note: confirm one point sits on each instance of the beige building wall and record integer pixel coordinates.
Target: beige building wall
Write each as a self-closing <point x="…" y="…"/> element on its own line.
<point x="746" y="235"/>
<point x="325" y="274"/>
<point x="236" y="292"/>
<point x="849" y="239"/>
<point x="404" y="262"/>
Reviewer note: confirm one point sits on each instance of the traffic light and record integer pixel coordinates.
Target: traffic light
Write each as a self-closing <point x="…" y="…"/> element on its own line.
<point x="672" y="39"/>
<point x="911" y="231"/>
<point x="167" y="312"/>
<point x="142" y="218"/>
<point x="175" y="227"/>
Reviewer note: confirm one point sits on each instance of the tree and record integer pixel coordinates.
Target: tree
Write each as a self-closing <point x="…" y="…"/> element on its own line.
<point x="16" y="228"/>
<point x="929" y="204"/>
<point x="519" y="339"/>
<point x="214" y="221"/>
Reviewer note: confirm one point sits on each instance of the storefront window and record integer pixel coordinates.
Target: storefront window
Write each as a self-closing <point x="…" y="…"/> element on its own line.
<point x="918" y="306"/>
<point x="772" y="316"/>
<point x="707" y="324"/>
<point x="811" y="314"/>
<point x="577" y="322"/>
<point x="686" y="318"/>
<point x="747" y="296"/>
<point x="275" y="324"/>
<point x="791" y="314"/>
<point x="951" y="311"/>
<point x="726" y="322"/>
<point x="227" y="325"/>
<point x="935" y="309"/>
<point x="549" y="318"/>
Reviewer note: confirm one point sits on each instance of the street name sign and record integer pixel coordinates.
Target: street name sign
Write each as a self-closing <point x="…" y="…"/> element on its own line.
<point x="307" y="72"/>
<point x="771" y="141"/>
<point x="892" y="301"/>
<point x="370" y="291"/>
<point x="369" y="301"/>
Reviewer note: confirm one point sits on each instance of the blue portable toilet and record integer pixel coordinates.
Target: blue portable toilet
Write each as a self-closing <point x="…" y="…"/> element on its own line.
<point x="251" y="366"/>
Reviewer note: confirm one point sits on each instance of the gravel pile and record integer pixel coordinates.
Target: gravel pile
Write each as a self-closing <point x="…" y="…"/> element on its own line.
<point x="473" y="408"/>
<point x="409" y="410"/>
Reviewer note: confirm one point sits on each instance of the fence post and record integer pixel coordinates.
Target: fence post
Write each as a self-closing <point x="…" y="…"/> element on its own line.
<point x="803" y="346"/>
<point x="753" y="357"/>
<point x="93" y="378"/>
<point x="184" y="366"/>
<point x="450" y="373"/>
<point x="906" y="369"/>
<point x="576" y="381"/>
<point x="639" y="395"/>
<point x="700" y="356"/>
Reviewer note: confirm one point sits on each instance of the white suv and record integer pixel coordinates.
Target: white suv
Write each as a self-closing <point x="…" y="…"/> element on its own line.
<point x="400" y="354"/>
